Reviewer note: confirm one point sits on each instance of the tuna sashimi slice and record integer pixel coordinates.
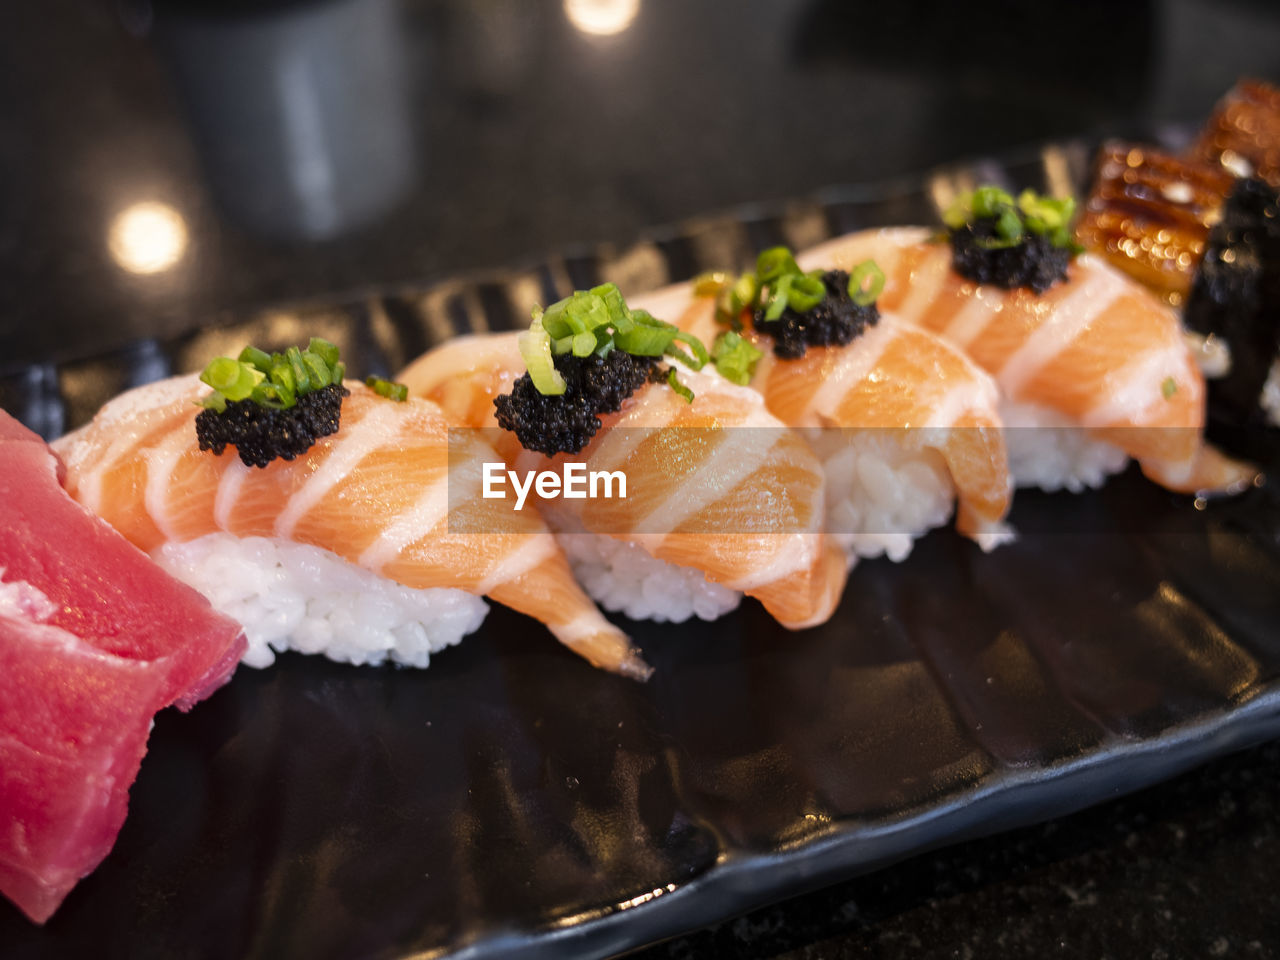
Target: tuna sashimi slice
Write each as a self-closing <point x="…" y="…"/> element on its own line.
<point x="106" y="591"/>
<point x="94" y="639"/>
<point x="73" y="729"/>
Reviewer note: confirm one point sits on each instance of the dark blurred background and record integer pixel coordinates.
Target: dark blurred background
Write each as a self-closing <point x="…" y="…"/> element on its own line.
<point x="163" y="162"/>
<point x="166" y="164"/>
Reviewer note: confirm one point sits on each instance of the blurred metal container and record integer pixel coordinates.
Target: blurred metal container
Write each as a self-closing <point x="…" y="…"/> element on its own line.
<point x="300" y="112"/>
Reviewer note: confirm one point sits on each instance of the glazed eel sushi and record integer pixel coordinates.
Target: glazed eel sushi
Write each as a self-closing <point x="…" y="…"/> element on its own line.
<point x="1203" y="231"/>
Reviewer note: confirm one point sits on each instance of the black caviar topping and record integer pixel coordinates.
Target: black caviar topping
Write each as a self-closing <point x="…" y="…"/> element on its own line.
<point x="1033" y="262"/>
<point x="566" y="422"/>
<point x="261" y="434"/>
<point x="835" y="321"/>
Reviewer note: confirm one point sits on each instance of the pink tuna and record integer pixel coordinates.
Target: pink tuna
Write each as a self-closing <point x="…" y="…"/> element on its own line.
<point x="94" y="639"/>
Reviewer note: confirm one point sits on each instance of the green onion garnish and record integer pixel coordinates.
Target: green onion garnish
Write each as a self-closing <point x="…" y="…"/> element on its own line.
<point x="679" y="387"/>
<point x="323" y="349"/>
<point x="711" y="283"/>
<point x="273" y="380"/>
<point x="595" y="322"/>
<point x="1030" y="213"/>
<point x="778" y="284"/>
<point x="1169" y="387"/>
<point x="735" y="357"/>
<point x="779" y="296"/>
<point x="807" y="291"/>
<point x="321" y="374"/>
<point x="734" y="297"/>
<point x="231" y="378"/>
<point x="648" y="336"/>
<point x="775" y="263"/>
<point x="388" y="388"/>
<point x="700" y="356"/>
<point x="259" y="359"/>
<point x="535" y="348"/>
<point x="860" y="291"/>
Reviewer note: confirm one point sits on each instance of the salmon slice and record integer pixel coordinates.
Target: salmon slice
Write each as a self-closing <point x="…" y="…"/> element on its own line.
<point x="1098" y="349"/>
<point x="719" y="485"/>
<point x="382" y="493"/>
<point x="905" y="385"/>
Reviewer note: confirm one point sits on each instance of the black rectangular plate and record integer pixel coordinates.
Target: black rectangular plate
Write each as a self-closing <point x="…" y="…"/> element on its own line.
<point x="512" y="801"/>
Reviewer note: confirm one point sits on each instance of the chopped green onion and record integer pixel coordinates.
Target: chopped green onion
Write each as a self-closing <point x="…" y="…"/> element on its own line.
<point x="256" y="358"/>
<point x="644" y="340"/>
<point x="733" y="298"/>
<point x="535" y="348"/>
<point x="735" y="357"/>
<point x="679" y="387"/>
<point x="232" y="379"/>
<point x="988" y="201"/>
<point x="286" y="386"/>
<point x="318" y="370"/>
<point x="711" y="283"/>
<point x="274" y="380"/>
<point x="267" y="395"/>
<point x="1030" y="213"/>
<point x="1169" y="387"/>
<point x="959" y="212"/>
<point x="388" y="388"/>
<point x="774" y="263"/>
<point x="860" y="291"/>
<point x="745" y="291"/>
<point x="779" y="297"/>
<point x="612" y="298"/>
<point x="700" y="356"/>
<point x="323" y="349"/>
<point x="293" y="356"/>
<point x="807" y="291"/>
<point x="594" y="323"/>
<point x="555" y="323"/>
<point x="586" y="311"/>
<point x="1009" y="225"/>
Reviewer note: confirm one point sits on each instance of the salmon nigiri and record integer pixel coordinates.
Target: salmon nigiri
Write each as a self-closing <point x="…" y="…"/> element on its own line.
<point x="905" y="424"/>
<point x="722" y="497"/>
<point x="1095" y="363"/>
<point x="364" y="508"/>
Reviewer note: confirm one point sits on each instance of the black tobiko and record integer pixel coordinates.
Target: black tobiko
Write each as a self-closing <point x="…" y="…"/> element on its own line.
<point x="833" y="322"/>
<point x="1034" y="262"/>
<point x="566" y="422"/>
<point x="261" y="434"/>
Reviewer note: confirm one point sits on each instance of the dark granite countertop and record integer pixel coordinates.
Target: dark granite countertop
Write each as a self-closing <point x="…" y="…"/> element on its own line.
<point x="1184" y="869"/>
<point x="397" y="142"/>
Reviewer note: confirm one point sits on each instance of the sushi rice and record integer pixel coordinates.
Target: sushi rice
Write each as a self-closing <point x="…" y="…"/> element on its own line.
<point x="1049" y="451"/>
<point x="624" y="578"/>
<point x="880" y="496"/>
<point x="291" y="596"/>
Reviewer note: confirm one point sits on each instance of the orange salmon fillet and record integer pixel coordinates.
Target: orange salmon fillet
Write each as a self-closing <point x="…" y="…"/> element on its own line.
<point x="741" y="505"/>
<point x="894" y="378"/>
<point x="1098" y="349"/>
<point x="382" y="493"/>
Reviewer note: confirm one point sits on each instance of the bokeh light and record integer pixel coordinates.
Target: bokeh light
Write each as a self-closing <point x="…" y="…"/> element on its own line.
<point x="147" y="237"/>
<point x="601" y="17"/>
